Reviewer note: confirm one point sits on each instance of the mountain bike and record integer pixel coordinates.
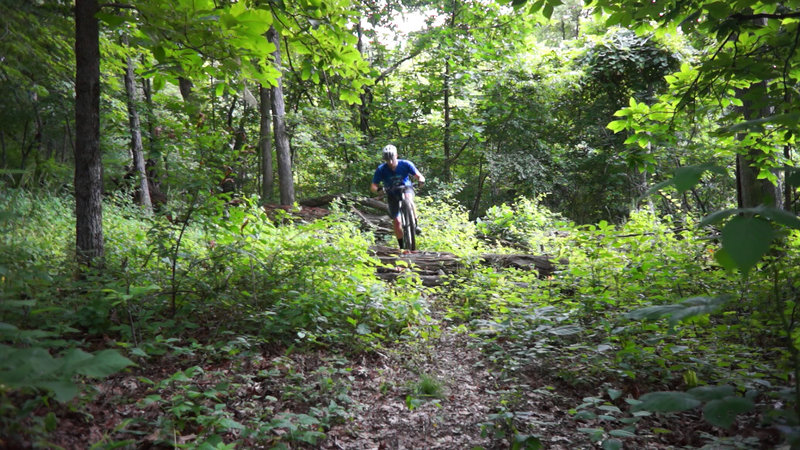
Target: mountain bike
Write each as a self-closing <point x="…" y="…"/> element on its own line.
<point x="408" y="222"/>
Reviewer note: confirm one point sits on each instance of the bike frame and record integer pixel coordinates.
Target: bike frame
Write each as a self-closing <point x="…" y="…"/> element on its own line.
<point x="407" y="222"/>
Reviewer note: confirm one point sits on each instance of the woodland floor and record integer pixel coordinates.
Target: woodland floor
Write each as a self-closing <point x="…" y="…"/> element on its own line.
<point x="378" y="386"/>
<point x="378" y="407"/>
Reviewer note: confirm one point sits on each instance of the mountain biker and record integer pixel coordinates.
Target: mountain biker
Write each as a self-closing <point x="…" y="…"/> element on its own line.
<point x="394" y="175"/>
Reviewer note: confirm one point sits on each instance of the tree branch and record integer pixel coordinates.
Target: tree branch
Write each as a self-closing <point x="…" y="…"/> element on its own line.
<point x="117" y="5"/>
<point x="740" y="17"/>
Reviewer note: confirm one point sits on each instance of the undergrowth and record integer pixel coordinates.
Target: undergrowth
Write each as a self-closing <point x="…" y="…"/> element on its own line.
<point x="638" y="323"/>
<point x="644" y="322"/>
<point x="175" y="287"/>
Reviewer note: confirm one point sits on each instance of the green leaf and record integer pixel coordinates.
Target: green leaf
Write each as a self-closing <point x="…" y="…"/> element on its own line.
<point x="113" y="20"/>
<point x="697" y="306"/>
<point x="717" y="217"/>
<point x="612" y="444"/>
<point x="667" y="402"/>
<point x="723" y="412"/>
<point x="776" y="215"/>
<point x="724" y="259"/>
<point x="621" y="433"/>
<point x="566" y="330"/>
<point x="691" y="307"/>
<point x="547" y="11"/>
<point x="585" y="414"/>
<point x="526" y="442"/>
<point x="536" y="6"/>
<point x="718" y="10"/>
<point x="687" y="177"/>
<point x="707" y="393"/>
<point x="7" y="327"/>
<point x="617" y="125"/>
<point x="73" y="359"/>
<point x="63" y="390"/>
<point x="230" y="424"/>
<point x="159" y="83"/>
<point x="747" y="239"/>
<point x="595" y="434"/>
<point x="26" y="365"/>
<point x="104" y="364"/>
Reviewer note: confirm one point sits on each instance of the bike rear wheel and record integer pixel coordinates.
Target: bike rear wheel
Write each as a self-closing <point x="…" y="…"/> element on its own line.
<point x="409" y="226"/>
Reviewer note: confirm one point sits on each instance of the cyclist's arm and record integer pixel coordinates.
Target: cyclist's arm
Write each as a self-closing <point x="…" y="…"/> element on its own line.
<point x="373" y="187"/>
<point x="420" y="178"/>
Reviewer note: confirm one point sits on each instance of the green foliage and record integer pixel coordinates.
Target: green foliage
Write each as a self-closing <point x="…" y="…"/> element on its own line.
<point x="208" y="414"/>
<point x="446" y="227"/>
<point x="303" y="284"/>
<point x="577" y="328"/>
<point x="328" y="152"/>
<point x="527" y="222"/>
<point x="428" y="387"/>
<point x="34" y="367"/>
<point x="722" y="405"/>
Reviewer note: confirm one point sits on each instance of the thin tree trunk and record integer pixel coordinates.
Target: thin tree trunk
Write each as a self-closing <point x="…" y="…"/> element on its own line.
<point x="363" y="108"/>
<point x="788" y="189"/>
<point x="481" y="181"/>
<point x="285" y="181"/>
<point x="70" y="140"/>
<point x="137" y="150"/>
<point x="25" y="148"/>
<point x="265" y="145"/>
<point x="447" y="121"/>
<point x="147" y="89"/>
<point x="88" y="165"/>
<point x="2" y="149"/>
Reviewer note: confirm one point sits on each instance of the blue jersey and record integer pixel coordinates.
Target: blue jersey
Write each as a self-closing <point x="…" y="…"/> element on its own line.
<point x="397" y="177"/>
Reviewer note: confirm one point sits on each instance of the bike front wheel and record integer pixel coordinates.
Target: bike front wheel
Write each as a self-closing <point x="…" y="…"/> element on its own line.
<point x="409" y="227"/>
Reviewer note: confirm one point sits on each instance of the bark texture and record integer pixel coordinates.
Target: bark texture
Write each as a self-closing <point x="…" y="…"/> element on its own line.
<point x="284" y="154"/>
<point x="137" y="150"/>
<point x="88" y="165"/>
<point x="265" y="144"/>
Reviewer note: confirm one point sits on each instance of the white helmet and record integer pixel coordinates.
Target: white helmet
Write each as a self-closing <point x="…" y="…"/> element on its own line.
<point x="389" y="153"/>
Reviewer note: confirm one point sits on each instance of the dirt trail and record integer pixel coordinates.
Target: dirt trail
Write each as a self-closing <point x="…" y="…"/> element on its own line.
<point x="385" y="388"/>
<point x="458" y="420"/>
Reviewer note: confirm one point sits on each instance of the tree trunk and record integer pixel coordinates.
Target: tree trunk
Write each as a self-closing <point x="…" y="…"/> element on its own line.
<point x="265" y="145"/>
<point x="447" y="124"/>
<point x="137" y="149"/>
<point x="185" y="85"/>
<point x="788" y="189"/>
<point x="751" y="191"/>
<point x="285" y="181"/>
<point x="481" y="181"/>
<point x="147" y="89"/>
<point x="88" y="165"/>
<point x="363" y="108"/>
